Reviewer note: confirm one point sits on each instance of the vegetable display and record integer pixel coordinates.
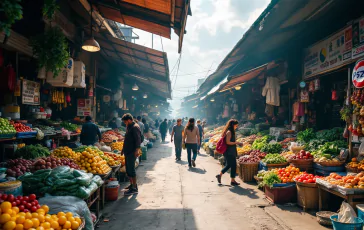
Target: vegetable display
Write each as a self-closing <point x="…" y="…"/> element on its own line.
<point x="248" y="159"/>
<point x="287" y="175"/>
<point x="258" y="153"/>
<point x="6" y="127"/>
<point x="306" y="135"/>
<point x="52" y="162"/>
<point x="69" y="126"/>
<point x="302" y="155"/>
<point x="306" y="178"/>
<point x="117" y="146"/>
<point x="331" y="134"/>
<point x="349" y="181"/>
<point x="24" y="203"/>
<point x="18" y="167"/>
<point x="330" y="148"/>
<point x="20" y="127"/>
<point x="274" y="159"/>
<point x="260" y="143"/>
<point x="270" y="178"/>
<point x="31" y="152"/>
<point x="272" y="148"/>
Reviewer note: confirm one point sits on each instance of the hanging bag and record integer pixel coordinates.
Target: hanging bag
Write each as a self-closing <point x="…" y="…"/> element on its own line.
<point x="221" y="145"/>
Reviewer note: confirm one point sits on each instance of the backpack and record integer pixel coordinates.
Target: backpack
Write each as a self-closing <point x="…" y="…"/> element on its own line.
<point x="221" y="146"/>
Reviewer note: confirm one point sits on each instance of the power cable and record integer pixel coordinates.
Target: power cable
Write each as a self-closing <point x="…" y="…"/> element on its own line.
<point x="161" y="43"/>
<point x="179" y="62"/>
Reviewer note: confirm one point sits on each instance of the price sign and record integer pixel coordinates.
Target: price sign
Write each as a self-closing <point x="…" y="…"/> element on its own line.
<point x="30" y="93"/>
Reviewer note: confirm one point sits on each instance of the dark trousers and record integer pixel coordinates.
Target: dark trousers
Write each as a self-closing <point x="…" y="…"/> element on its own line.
<point x="230" y="163"/>
<point x="130" y="164"/>
<point x="191" y="148"/>
<point x="199" y="145"/>
<point x="163" y="135"/>
<point x="178" y="149"/>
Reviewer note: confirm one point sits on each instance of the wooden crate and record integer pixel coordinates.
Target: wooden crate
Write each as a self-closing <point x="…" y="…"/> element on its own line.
<point x="307" y="196"/>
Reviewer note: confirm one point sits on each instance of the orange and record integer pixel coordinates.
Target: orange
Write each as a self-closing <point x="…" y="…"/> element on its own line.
<point x="62" y="220"/>
<point x="75" y="225"/>
<point x="20" y="219"/>
<point x="46" y="225"/>
<point x="40" y="228"/>
<point x="45" y="208"/>
<point x="71" y="219"/>
<point x="48" y="219"/>
<point x="54" y="224"/>
<point x="21" y="214"/>
<point x="28" y="224"/>
<point x="60" y="214"/>
<point x="15" y="209"/>
<point x="69" y="214"/>
<point x="41" y="218"/>
<point x="67" y="225"/>
<point x="78" y="219"/>
<point x="10" y="225"/>
<point x="54" y="217"/>
<point x="4" y="218"/>
<point x="35" y="215"/>
<point x="28" y="215"/>
<point x="5" y="206"/>
<point x="19" y="227"/>
<point x="35" y="222"/>
<point x="40" y="211"/>
<point x="8" y="211"/>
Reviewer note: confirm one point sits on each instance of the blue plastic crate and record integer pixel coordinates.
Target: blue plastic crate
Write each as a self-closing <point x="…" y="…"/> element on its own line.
<point x="280" y="185"/>
<point x="26" y="134"/>
<point x="331" y="168"/>
<point x="327" y="173"/>
<point x="346" y="226"/>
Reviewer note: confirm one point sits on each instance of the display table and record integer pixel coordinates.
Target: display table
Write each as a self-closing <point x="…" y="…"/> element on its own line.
<point x="94" y="200"/>
<point x="102" y="188"/>
<point x="324" y="199"/>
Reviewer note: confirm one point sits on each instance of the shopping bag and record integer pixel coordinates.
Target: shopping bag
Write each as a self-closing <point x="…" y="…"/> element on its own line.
<point x="221" y="146"/>
<point x="183" y="146"/>
<point x="346" y="214"/>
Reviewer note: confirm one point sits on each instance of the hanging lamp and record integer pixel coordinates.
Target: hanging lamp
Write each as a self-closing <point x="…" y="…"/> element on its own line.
<point x="212" y="99"/>
<point x="145" y="96"/>
<point x="238" y="87"/>
<point x="91" y="45"/>
<point x="135" y="87"/>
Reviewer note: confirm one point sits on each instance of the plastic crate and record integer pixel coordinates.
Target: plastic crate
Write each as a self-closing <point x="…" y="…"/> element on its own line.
<point x="26" y="134"/>
<point x="358" y="225"/>
<point x="331" y="168"/>
<point x="7" y="136"/>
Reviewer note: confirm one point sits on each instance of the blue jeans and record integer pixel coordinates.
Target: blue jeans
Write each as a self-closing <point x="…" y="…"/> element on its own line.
<point x="191" y="148"/>
<point x="199" y="145"/>
<point x="178" y="149"/>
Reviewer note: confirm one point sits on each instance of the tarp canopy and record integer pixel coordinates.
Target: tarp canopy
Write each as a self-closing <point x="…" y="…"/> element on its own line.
<point x="154" y="16"/>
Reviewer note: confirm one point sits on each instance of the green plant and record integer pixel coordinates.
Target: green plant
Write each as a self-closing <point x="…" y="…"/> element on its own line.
<point x="49" y="7"/>
<point x="345" y="113"/>
<point x="51" y="49"/>
<point x="11" y="11"/>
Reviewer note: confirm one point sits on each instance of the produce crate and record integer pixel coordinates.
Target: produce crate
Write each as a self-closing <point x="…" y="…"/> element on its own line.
<point x="26" y="134"/>
<point x="325" y="171"/>
<point x="248" y="171"/>
<point x="303" y="165"/>
<point x="281" y="195"/>
<point x="267" y="167"/>
<point x="7" y="136"/>
<point x="307" y="196"/>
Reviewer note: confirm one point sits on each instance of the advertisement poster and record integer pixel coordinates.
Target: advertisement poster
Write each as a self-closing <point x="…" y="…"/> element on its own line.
<point x="358" y="38"/>
<point x="83" y="107"/>
<point x="30" y="93"/>
<point x="329" y="53"/>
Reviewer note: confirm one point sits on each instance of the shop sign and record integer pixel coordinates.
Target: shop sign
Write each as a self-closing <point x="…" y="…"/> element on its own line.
<point x="83" y="107"/>
<point x="304" y="96"/>
<point x="358" y="74"/>
<point x="30" y="93"/>
<point x="329" y="53"/>
<point x="358" y="38"/>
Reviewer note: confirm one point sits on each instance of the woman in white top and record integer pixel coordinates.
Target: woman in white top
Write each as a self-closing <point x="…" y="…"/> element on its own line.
<point x="191" y="138"/>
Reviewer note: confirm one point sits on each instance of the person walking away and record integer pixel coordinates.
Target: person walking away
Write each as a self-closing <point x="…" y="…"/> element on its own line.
<point x="146" y="126"/>
<point x="163" y="127"/>
<point x="112" y="123"/>
<point x="131" y="150"/>
<point x="231" y="152"/>
<point x="90" y="133"/>
<point x="171" y="126"/>
<point x="140" y="123"/>
<point x="191" y="137"/>
<point x="156" y="124"/>
<point x="200" y="131"/>
<point x="177" y="133"/>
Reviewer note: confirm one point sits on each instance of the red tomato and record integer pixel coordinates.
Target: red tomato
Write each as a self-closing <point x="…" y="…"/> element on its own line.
<point x="21" y="208"/>
<point x="4" y="197"/>
<point x="38" y="206"/>
<point x="26" y="210"/>
<point x="35" y="202"/>
<point x="24" y="203"/>
<point x="11" y="198"/>
<point x="26" y="198"/>
<point x="18" y="202"/>
<point x="33" y="209"/>
<point x="13" y="204"/>
<point x="305" y="181"/>
<point x="310" y="181"/>
<point x="32" y="197"/>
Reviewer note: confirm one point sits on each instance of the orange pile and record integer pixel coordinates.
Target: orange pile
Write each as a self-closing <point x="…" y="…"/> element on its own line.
<point x="287" y="174"/>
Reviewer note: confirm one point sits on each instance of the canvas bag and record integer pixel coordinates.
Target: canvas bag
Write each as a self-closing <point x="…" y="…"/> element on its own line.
<point x="221" y="146"/>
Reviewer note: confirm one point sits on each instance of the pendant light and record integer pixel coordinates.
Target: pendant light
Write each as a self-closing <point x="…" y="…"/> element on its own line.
<point x="91" y="45"/>
<point x="238" y="87"/>
<point x="212" y="99"/>
<point x="135" y="87"/>
<point x="145" y="96"/>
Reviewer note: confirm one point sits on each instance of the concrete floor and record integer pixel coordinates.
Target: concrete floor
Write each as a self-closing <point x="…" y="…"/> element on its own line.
<point x="172" y="196"/>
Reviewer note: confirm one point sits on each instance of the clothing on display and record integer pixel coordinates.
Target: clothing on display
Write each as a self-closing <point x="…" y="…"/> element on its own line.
<point x="271" y="91"/>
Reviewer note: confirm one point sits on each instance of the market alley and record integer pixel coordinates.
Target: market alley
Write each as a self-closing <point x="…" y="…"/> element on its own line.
<point x="172" y="196"/>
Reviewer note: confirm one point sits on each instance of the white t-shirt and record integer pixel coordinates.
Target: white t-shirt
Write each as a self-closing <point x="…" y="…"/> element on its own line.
<point x="118" y="122"/>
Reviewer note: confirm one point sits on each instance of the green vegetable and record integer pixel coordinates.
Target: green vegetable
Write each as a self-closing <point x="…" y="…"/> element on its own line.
<point x="270" y="178"/>
<point x="330" y="148"/>
<point x="32" y="152"/>
<point x="330" y="134"/>
<point x="314" y="144"/>
<point x="306" y="135"/>
<point x="69" y="126"/>
<point x="274" y="159"/>
<point x="272" y="148"/>
<point x="260" y="143"/>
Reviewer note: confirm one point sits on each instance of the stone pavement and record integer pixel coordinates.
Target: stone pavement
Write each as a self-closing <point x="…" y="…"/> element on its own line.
<point x="172" y="196"/>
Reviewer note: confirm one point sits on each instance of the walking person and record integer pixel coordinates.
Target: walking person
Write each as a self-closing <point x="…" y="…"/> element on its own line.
<point x="140" y="123"/>
<point x="231" y="152"/>
<point x="131" y="150"/>
<point x="90" y="133"/>
<point x="163" y="127"/>
<point x="200" y="131"/>
<point x="177" y="133"/>
<point x="171" y="126"/>
<point x="191" y="138"/>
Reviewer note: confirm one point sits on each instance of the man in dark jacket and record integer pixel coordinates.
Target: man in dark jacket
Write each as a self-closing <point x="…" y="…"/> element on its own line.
<point x="131" y="150"/>
<point x="90" y="133"/>
<point x="163" y="127"/>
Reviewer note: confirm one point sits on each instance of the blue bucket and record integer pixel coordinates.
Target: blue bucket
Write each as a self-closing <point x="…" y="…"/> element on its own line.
<point x="358" y="225"/>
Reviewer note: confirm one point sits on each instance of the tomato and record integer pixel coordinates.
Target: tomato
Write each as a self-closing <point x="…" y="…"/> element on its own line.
<point x="28" y="205"/>
<point x="35" y="202"/>
<point x="38" y="206"/>
<point x="310" y="181"/>
<point x="21" y="208"/>
<point x="11" y="198"/>
<point x="13" y="204"/>
<point x="26" y="210"/>
<point x="24" y="203"/>
<point x="4" y="197"/>
<point x="33" y="209"/>
<point x="19" y="197"/>
<point x="18" y="202"/>
<point x="26" y="198"/>
<point x="32" y="197"/>
<point x="305" y="181"/>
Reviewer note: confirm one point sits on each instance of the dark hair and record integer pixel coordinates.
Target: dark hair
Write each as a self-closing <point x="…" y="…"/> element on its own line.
<point x="179" y="119"/>
<point x="230" y="127"/>
<point x="144" y="121"/>
<point x="191" y="124"/>
<point x="174" y="120"/>
<point x="127" y="116"/>
<point x="88" y="118"/>
<point x="165" y="119"/>
<point x="138" y="118"/>
<point x="114" y="119"/>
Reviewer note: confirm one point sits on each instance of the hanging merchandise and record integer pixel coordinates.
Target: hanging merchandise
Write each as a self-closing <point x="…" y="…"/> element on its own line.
<point x="79" y="75"/>
<point x="64" y="78"/>
<point x="334" y="96"/>
<point x="304" y="96"/>
<point x="42" y="73"/>
<point x="117" y="95"/>
<point x="317" y="84"/>
<point x="11" y="77"/>
<point x="91" y="88"/>
<point x="311" y="86"/>
<point x="271" y="91"/>
<point x="358" y="74"/>
<point x="120" y="104"/>
<point x="235" y="108"/>
<point x="68" y="98"/>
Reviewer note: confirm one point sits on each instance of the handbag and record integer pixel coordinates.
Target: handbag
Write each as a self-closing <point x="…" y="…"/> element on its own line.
<point x="221" y="146"/>
<point x="183" y="146"/>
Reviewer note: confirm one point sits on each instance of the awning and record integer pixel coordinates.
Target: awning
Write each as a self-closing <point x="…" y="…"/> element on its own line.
<point x="154" y="16"/>
<point x="145" y="65"/>
<point x="244" y="77"/>
<point x="217" y="87"/>
<point x="191" y="98"/>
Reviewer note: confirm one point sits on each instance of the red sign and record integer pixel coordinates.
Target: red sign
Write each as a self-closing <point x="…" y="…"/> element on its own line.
<point x="358" y="74"/>
<point x="81" y="102"/>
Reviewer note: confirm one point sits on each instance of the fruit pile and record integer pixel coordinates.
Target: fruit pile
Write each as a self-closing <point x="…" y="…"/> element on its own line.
<point x="20" y="127"/>
<point x="52" y="162"/>
<point x="287" y="174"/>
<point x="91" y="161"/>
<point x="12" y="218"/>
<point x="248" y="159"/>
<point x="6" y="127"/>
<point x="354" y="164"/>
<point x="258" y="153"/>
<point x="245" y="149"/>
<point x="349" y="181"/>
<point x="23" y="203"/>
<point x="302" y="155"/>
<point x="306" y="178"/>
<point x="66" y="152"/>
<point x="117" y="157"/>
<point x="117" y="146"/>
<point x="18" y="167"/>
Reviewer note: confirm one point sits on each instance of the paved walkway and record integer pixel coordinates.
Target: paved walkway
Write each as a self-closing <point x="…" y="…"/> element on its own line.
<point x="172" y="196"/>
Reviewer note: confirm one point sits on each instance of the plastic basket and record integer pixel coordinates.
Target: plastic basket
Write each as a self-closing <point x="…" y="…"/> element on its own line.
<point x="26" y="134"/>
<point x="360" y="208"/>
<point x="7" y="136"/>
<point x="248" y="171"/>
<point x="358" y="225"/>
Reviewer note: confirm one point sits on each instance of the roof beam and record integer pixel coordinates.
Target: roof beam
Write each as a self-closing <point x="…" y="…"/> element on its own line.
<point x="183" y="25"/>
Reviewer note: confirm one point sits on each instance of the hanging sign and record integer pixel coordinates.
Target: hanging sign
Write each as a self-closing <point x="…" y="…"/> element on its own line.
<point x="30" y="93"/>
<point x="328" y="54"/>
<point x="358" y="74"/>
<point x="304" y="96"/>
<point x="106" y="98"/>
<point x="302" y="84"/>
<point x="83" y="107"/>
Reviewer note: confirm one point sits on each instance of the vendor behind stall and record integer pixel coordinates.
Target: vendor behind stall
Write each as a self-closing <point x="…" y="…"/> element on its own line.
<point x="112" y="123"/>
<point x="90" y="132"/>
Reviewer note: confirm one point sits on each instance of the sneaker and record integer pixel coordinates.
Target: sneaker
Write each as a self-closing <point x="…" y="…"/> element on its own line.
<point x="131" y="192"/>
<point x="235" y="183"/>
<point x="176" y="158"/>
<point x="193" y="163"/>
<point x="218" y="177"/>
<point x="130" y="186"/>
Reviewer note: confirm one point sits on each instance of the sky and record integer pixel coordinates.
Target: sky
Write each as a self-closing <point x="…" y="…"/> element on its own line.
<point x="212" y="31"/>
